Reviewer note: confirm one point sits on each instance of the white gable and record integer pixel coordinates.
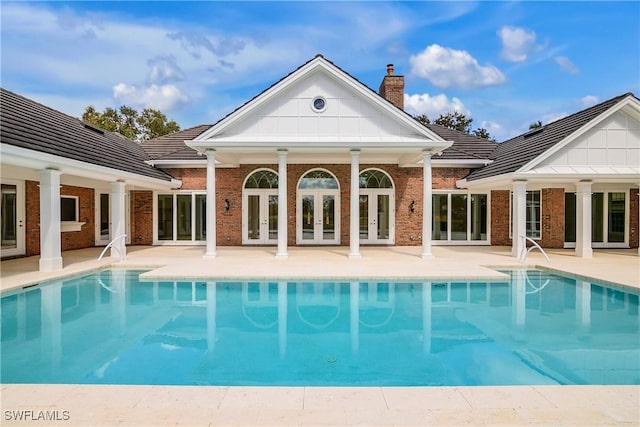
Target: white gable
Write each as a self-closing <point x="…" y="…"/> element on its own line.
<point x="612" y="143"/>
<point x="290" y="114"/>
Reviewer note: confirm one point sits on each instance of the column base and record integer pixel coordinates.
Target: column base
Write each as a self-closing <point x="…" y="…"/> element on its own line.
<point x="284" y="255"/>
<point x="426" y="255"/>
<point x="50" y="264"/>
<point x="355" y="255"/>
<point x="584" y="253"/>
<point x="209" y="255"/>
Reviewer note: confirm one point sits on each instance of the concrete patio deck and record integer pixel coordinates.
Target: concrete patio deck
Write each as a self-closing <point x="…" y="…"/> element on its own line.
<point x="158" y="405"/>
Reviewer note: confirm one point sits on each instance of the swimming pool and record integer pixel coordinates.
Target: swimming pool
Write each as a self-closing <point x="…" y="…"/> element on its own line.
<point x="110" y="327"/>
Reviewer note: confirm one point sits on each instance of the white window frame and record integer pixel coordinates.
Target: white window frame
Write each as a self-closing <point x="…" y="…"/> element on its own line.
<point x="75" y="224"/>
<point x="467" y="241"/>
<point x="539" y="190"/>
<point x="174" y="241"/>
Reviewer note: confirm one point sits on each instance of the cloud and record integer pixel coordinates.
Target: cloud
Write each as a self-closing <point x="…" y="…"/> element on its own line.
<point x="589" y="101"/>
<point x="160" y="97"/>
<point x="163" y="69"/>
<point x="517" y="43"/>
<point x="448" y="68"/>
<point x="193" y="42"/>
<point x="566" y="64"/>
<point x="433" y="106"/>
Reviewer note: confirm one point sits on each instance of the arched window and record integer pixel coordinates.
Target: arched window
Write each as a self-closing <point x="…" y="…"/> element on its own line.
<point x="262" y="179"/>
<point x="319" y="180"/>
<point x="375" y="179"/>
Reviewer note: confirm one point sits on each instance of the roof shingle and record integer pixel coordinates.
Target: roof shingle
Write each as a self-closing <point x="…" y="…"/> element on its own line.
<point x="27" y="124"/>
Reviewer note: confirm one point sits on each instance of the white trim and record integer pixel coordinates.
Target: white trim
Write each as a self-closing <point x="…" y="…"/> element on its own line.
<point x="317" y="195"/>
<point x="38" y="160"/>
<point x="628" y="101"/>
<point x="20" y="219"/>
<point x="318" y="63"/>
<point x="460" y="163"/>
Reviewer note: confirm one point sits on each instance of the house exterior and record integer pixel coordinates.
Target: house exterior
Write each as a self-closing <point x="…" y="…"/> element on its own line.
<point x="319" y="158"/>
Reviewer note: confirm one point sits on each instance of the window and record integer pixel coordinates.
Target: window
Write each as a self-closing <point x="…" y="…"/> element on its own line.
<point x="533" y="214"/>
<point x="459" y="217"/>
<point x="69" y="208"/>
<point x="181" y="217"/>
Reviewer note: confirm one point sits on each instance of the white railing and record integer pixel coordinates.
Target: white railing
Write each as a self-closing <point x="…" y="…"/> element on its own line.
<point x="121" y="248"/>
<point x="524" y="253"/>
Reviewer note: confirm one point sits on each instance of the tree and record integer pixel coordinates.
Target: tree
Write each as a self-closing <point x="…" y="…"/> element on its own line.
<point x="482" y="133"/>
<point x="457" y="121"/>
<point x="422" y="118"/>
<point x="129" y="122"/>
<point x="535" y="125"/>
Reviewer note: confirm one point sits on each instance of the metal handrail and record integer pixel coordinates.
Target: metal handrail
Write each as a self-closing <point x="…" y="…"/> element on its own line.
<point x="122" y="250"/>
<point x="525" y="251"/>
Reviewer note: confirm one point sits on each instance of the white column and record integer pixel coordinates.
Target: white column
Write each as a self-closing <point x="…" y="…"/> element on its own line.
<point x="50" y="240"/>
<point x="583" y="219"/>
<point x="518" y="217"/>
<point x="211" y="204"/>
<point x="117" y="215"/>
<point x="282" y="205"/>
<point x="427" y="214"/>
<point x="354" y="211"/>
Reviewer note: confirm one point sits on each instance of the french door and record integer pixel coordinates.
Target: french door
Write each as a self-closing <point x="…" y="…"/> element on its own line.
<point x="12" y="218"/>
<point x="103" y="218"/>
<point x="318" y="217"/>
<point x="377" y="216"/>
<point x="260" y="217"/>
<point x="609" y="219"/>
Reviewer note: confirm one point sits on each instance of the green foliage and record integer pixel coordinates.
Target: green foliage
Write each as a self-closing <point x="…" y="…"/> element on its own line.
<point x="456" y="121"/>
<point x="535" y="125"/>
<point x="130" y="123"/>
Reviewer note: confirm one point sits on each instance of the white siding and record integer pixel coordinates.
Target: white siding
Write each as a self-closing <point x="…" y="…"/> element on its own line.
<point x="613" y="142"/>
<point x="347" y="113"/>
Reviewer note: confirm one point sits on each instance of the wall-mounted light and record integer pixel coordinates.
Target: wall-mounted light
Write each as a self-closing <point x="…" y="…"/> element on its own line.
<point x="227" y="205"/>
<point x="412" y="206"/>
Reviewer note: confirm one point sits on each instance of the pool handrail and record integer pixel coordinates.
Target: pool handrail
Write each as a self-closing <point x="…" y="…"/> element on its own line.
<point x="121" y="249"/>
<point x="525" y="251"/>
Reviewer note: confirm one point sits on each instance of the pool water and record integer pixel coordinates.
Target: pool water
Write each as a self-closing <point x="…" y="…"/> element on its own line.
<point x="110" y="327"/>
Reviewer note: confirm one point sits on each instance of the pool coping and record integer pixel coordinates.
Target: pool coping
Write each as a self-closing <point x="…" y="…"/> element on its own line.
<point x="481" y="405"/>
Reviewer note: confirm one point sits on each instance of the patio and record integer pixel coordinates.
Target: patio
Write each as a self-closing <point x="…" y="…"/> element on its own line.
<point x="187" y="405"/>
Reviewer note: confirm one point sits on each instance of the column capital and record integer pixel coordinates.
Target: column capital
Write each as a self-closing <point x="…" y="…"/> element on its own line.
<point x="355" y="151"/>
<point x="210" y="152"/>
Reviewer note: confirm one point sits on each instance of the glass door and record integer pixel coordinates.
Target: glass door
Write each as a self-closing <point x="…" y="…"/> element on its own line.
<point x="260" y="224"/>
<point x="608" y="219"/>
<point x="377" y="212"/>
<point x="103" y="219"/>
<point x="12" y="218"/>
<point x="317" y="217"/>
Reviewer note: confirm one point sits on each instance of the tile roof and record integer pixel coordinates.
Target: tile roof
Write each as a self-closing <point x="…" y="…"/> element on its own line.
<point x="465" y="146"/>
<point x="172" y="146"/>
<point x="27" y="124"/>
<point x="514" y="153"/>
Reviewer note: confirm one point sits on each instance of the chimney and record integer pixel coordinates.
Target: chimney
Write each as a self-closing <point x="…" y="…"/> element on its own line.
<point x="392" y="88"/>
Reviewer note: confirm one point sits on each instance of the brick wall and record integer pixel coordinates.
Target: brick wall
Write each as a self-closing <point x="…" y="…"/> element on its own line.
<point x="408" y="188"/>
<point x="192" y="178"/>
<point x="500" y="217"/>
<point x="84" y="238"/>
<point x="141" y="220"/>
<point x="552" y="216"/>
<point x="32" y="218"/>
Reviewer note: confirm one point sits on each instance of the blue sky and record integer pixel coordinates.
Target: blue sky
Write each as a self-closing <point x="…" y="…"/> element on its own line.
<point x="506" y="64"/>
